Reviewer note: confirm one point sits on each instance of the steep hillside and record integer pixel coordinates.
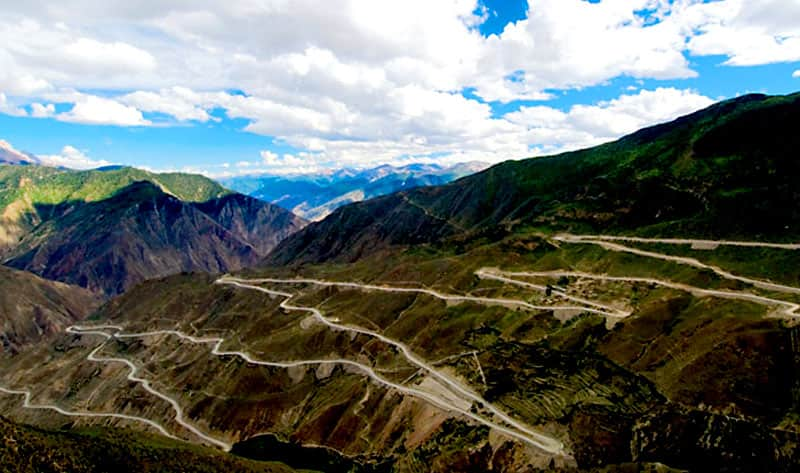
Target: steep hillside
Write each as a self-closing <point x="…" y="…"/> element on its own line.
<point x="30" y="194"/>
<point x="141" y="232"/>
<point x="32" y="308"/>
<point x="315" y="196"/>
<point x="728" y="170"/>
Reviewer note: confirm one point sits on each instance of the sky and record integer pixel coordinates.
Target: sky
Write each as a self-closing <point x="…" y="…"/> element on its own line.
<point x="286" y="86"/>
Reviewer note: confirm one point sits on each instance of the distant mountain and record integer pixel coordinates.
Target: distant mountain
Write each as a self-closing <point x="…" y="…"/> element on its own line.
<point x="141" y="232"/>
<point x="9" y="155"/>
<point x="32" y="308"/>
<point x="315" y="196"/>
<point x="728" y="170"/>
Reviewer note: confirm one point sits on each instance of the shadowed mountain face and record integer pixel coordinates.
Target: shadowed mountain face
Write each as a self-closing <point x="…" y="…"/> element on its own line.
<point x="727" y="170"/>
<point x="142" y="232"/>
<point x="32" y="308"/>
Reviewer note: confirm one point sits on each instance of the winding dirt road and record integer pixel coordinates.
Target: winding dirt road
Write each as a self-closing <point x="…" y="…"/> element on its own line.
<point x="503" y="276"/>
<point x="132" y="376"/>
<point x="26" y="403"/>
<point x="247" y="284"/>
<point x="790" y="308"/>
<point x="602" y="242"/>
<point x="530" y="436"/>
<point x="496" y="419"/>
<point x="681" y="241"/>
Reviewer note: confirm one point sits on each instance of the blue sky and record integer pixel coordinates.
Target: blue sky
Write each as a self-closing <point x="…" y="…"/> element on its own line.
<point x="463" y="81"/>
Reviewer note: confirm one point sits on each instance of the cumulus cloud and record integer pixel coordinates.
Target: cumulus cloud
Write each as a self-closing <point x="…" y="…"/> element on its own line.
<point x="9" y="109"/>
<point x="586" y="125"/>
<point x="747" y="32"/>
<point x="796" y="74"/>
<point x="90" y="109"/>
<point x="72" y="158"/>
<point x="179" y="102"/>
<point x="42" y="111"/>
<point x="573" y="43"/>
<point x="117" y="56"/>
<point x="270" y="158"/>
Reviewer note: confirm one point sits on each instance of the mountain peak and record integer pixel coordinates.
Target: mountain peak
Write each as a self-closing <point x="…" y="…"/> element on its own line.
<point x="10" y="155"/>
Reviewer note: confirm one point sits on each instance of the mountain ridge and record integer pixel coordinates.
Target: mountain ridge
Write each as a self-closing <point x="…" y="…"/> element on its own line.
<point x="684" y="174"/>
<point x="314" y="196"/>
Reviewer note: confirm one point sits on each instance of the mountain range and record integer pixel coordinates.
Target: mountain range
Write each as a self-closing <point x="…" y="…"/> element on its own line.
<point x="315" y="196"/>
<point x="108" y="230"/>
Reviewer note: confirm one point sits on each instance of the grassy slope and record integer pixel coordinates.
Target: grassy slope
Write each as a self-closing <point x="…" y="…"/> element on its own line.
<point x="139" y="233"/>
<point x="32" y="194"/>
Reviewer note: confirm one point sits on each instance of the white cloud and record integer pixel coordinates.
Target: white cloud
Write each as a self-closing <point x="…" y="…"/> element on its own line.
<point x="270" y="158"/>
<point x="551" y="130"/>
<point x="72" y="158"/>
<point x="11" y="154"/>
<point x="42" y="111"/>
<point x="178" y="102"/>
<point x="90" y="109"/>
<point x="747" y="32"/>
<point x="796" y="74"/>
<point x="573" y="43"/>
<point x="9" y="109"/>
<point x="116" y="56"/>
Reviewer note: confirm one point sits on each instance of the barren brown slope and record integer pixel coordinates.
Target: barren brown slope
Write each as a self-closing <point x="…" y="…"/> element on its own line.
<point x="32" y="307"/>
